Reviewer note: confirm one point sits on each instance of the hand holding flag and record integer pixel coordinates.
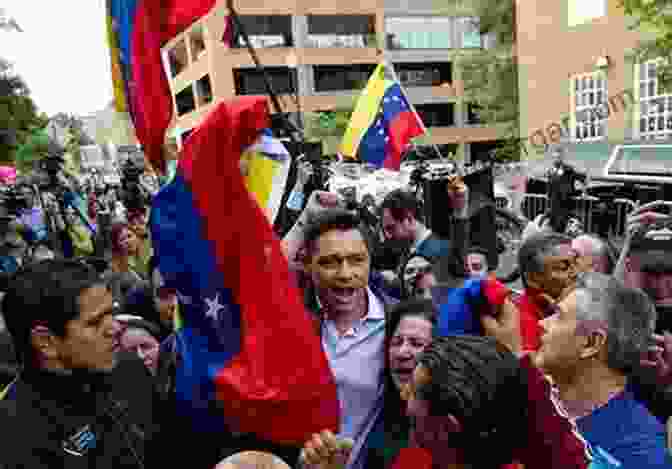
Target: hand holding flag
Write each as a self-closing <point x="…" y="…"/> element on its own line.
<point x="246" y="339"/>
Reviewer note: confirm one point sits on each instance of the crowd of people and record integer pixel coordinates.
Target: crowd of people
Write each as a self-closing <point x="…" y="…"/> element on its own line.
<point x="437" y="364"/>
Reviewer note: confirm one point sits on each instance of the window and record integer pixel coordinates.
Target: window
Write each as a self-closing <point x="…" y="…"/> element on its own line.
<point x="590" y="111"/>
<point x="655" y="117"/>
<point x="185" y="101"/>
<point x="342" y="78"/>
<point x="472" y="117"/>
<point x="429" y="32"/>
<point x="470" y="37"/>
<point x="251" y="81"/>
<point x="341" y="31"/>
<point x="437" y="115"/>
<point x="424" y="73"/>
<point x="264" y="31"/>
<point x="583" y="11"/>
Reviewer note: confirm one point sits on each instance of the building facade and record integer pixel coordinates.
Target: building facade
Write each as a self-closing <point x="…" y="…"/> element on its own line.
<point x="320" y="54"/>
<point x="578" y="78"/>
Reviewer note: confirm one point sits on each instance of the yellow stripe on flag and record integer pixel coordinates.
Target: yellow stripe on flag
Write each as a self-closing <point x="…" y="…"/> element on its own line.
<point x="260" y="176"/>
<point x="365" y="112"/>
<point x="118" y="85"/>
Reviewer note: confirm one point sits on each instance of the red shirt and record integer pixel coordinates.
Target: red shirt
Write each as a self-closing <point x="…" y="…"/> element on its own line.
<point x="530" y="315"/>
<point x="551" y="440"/>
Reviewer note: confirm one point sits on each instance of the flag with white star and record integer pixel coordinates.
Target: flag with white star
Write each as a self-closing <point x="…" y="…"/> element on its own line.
<point x="246" y="340"/>
<point x="382" y="124"/>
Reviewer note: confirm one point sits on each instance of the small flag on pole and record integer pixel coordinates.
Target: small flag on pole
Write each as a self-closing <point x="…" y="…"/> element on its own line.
<point x="383" y="122"/>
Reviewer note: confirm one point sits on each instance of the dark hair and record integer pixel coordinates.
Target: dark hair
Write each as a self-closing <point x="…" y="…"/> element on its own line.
<point x="45" y="292"/>
<point x="401" y="203"/>
<point x="480" y="383"/>
<point x="329" y="220"/>
<point x="115" y="236"/>
<point x="408" y="290"/>
<point x="396" y="421"/>
<point x="534" y="249"/>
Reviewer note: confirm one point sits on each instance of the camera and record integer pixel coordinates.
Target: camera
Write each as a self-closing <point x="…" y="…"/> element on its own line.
<point x="13" y="201"/>
<point x="134" y="196"/>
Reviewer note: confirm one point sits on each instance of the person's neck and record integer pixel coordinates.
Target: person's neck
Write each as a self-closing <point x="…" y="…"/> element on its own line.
<point x="592" y="387"/>
<point x="344" y="321"/>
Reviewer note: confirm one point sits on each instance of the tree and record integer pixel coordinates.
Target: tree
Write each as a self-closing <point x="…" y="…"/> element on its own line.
<point x="654" y="17"/>
<point x="490" y="76"/>
<point x="37" y="145"/>
<point x="19" y="117"/>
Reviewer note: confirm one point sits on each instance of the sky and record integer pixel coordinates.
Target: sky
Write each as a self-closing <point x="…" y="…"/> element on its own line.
<point x="62" y="54"/>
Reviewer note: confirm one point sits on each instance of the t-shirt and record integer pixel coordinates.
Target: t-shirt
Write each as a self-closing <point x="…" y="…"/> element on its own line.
<point x="626" y="432"/>
<point x="530" y="329"/>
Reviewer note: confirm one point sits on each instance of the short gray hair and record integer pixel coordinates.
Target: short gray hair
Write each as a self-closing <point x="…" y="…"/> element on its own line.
<point x="598" y="248"/>
<point x="628" y="313"/>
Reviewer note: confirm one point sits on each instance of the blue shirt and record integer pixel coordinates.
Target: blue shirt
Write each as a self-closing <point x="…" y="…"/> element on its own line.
<point x="357" y="360"/>
<point x="628" y="433"/>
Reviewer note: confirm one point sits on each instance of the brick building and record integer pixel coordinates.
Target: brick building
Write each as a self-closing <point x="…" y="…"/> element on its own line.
<point x="323" y="52"/>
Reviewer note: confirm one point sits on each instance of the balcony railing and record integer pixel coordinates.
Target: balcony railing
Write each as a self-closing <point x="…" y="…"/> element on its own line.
<point x="340" y="40"/>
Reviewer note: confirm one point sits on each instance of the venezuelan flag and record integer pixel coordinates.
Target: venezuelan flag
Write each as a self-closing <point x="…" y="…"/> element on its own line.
<point x="382" y="124"/>
<point x="120" y="17"/>
<point x="243" y="327"/>
<point x="137" y="29"/>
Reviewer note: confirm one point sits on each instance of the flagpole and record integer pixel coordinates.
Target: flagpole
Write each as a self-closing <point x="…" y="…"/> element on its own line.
<point x="390" y="67"/>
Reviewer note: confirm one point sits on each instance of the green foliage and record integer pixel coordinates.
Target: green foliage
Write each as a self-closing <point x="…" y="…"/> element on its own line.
<point x="37" y="145"/>
<point x="490" y="76"/>
<point x="19" y="117"/>
<point x="655" y="17"/>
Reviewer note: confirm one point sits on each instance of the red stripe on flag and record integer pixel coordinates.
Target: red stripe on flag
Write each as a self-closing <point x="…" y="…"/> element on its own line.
<point x="262" y="390"/>
<point x="404" y="127"/>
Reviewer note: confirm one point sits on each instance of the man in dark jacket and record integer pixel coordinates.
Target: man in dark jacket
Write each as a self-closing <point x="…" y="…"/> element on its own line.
<point x="75" y="403"/>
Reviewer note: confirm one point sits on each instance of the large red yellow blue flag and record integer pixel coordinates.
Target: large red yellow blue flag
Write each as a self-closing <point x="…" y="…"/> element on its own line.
<point x="245" y="340"/>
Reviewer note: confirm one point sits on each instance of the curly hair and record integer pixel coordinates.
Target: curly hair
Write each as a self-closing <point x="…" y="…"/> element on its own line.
<point x="480" y="383"/>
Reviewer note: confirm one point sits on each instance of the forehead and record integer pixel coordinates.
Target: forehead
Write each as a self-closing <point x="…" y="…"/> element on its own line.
<point x="340" y="242"/>
<point x="95" y="300"/>
<point x="560" y="253"/>
<point x="417" y="262"/>
<point x="416" y="326"/>
<point x="475" y="257"/>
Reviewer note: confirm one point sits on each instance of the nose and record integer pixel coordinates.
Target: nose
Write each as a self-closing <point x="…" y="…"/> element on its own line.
<point x="345" y="272"/>
<point x="112" y="327"/>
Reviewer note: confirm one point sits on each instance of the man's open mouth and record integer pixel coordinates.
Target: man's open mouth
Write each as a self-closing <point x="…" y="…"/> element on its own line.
<point x="343" y="294"/>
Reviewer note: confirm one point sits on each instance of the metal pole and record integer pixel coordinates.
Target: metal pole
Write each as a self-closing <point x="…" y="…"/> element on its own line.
<point x="269" y="89"/>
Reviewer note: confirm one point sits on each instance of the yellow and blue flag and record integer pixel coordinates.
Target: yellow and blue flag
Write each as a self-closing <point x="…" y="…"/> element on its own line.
<point x="383" y="122"/>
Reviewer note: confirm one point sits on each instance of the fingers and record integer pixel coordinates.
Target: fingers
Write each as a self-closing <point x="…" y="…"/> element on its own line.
<point x="323" y="448"/>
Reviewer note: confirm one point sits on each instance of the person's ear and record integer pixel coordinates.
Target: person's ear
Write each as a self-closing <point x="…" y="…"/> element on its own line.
<point x="535" y="280"/>
<point x="44" y="342"/>
<point x="595" y="343"/>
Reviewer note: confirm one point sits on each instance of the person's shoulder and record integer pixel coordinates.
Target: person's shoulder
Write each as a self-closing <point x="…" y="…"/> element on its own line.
<point x="629" y="433"/>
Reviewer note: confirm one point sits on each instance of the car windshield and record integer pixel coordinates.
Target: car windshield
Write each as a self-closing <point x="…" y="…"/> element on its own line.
<point x="643" y="160"/>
